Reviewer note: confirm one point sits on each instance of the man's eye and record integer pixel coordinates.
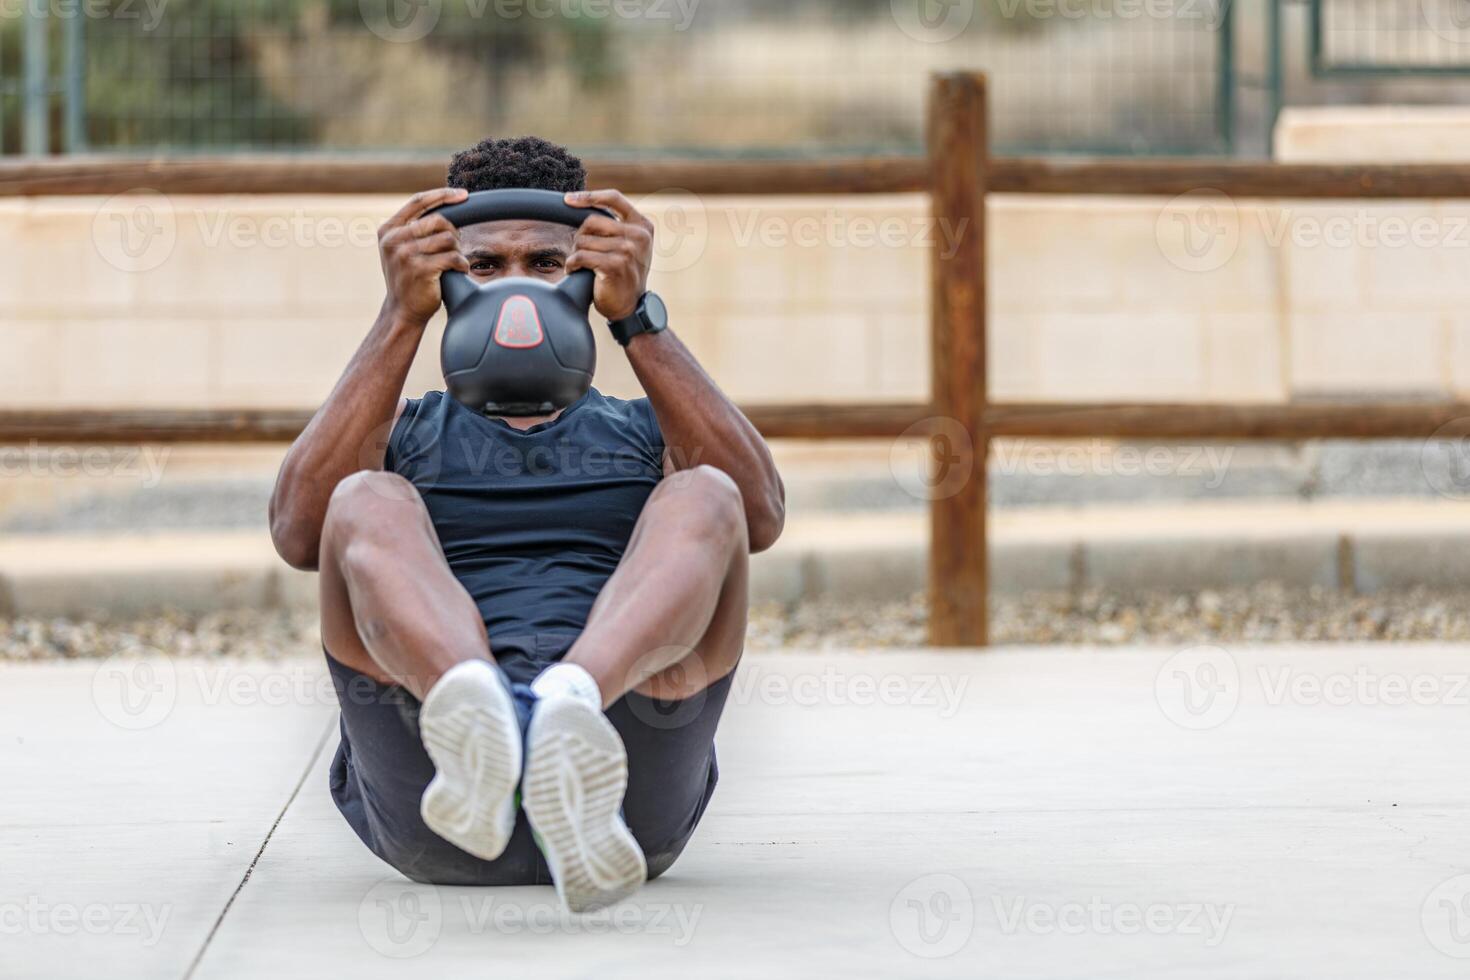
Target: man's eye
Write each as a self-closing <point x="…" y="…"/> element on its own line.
<point x="551" y="265"/>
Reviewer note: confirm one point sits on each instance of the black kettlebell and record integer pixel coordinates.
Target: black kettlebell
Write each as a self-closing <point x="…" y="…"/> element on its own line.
<point x="517" y="346"/>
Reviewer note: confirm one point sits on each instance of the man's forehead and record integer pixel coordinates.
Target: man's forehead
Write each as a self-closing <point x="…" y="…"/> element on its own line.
<point x="515" y="234"/>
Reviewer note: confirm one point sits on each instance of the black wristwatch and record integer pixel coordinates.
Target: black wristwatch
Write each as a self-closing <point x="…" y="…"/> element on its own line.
<point x="651" y="316"/>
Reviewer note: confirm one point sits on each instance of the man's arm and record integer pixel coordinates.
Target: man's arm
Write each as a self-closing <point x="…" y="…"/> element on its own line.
<point x="701" y="426"/>
<point x="350" y="430"/>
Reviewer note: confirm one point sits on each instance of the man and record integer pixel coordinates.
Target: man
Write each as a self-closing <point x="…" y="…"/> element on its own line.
<point x="543" y="612"/>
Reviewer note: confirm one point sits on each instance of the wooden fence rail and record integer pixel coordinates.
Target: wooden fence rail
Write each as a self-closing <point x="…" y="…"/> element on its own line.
<point x="1033" y="420"/>
<point x="958" y="175"/>
<point x="216" y="176"/>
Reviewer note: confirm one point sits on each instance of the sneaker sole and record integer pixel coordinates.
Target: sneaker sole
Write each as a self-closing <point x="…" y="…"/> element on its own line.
<point x="469" y="728"/>
<point x="576" y="776"/>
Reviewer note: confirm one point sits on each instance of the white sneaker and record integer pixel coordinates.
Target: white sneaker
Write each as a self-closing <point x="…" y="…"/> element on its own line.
<point x="468" y="725"/>
<point x="576" y="776"/>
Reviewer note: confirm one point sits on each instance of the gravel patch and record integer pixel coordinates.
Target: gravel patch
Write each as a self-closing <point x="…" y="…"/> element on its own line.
<point x="1264" y="614"/>
<point x="233" y="633"/>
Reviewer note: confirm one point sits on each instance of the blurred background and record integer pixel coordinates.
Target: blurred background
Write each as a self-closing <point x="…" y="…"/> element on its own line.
<point x="155" y="301"/>
<point x="741" y="77"/>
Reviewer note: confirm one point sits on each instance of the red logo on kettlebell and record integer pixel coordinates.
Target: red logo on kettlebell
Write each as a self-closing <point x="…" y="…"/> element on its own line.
<point x="520" y="324"/>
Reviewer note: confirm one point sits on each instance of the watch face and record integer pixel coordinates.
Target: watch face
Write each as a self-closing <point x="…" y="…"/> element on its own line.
<point x="655" y="314"/>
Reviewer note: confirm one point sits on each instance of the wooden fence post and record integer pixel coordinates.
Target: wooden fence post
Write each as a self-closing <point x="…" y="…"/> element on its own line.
<point x="959" y="550"/>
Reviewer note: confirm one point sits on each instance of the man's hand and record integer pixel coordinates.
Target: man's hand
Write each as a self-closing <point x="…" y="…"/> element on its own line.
<point x="416" y="249"/>
<point x="619" y="250"/>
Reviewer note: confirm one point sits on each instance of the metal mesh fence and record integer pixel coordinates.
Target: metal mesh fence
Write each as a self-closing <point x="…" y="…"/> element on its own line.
<point x="751" y="77"/>
<point x="1370" y="52"/>
<point x="1391" y="36"/>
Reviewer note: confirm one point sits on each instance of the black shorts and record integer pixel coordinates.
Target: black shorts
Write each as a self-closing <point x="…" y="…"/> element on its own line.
<point x="381" y="769"/>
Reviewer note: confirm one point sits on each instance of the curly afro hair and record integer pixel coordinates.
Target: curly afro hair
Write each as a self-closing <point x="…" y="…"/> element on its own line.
<point x="528" y="161"/>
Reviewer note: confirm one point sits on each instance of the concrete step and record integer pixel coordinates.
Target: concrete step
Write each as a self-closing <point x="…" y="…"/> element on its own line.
<point x="192" y="488"/>
<point x="1363" y="546"/>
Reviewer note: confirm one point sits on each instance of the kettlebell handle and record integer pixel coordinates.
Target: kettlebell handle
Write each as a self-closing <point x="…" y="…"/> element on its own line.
<point x="508" y="205"/>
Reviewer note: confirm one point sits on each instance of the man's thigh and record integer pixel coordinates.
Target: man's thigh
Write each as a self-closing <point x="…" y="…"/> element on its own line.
<point x="368" y="499"/>
<point x="672" y="770"/>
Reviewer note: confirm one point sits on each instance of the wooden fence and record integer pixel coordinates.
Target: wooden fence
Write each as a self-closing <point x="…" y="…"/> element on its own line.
<point x="958" y="174"/>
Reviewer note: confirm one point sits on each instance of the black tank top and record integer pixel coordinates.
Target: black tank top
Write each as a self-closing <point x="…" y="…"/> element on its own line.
<point x="532" y="522"/>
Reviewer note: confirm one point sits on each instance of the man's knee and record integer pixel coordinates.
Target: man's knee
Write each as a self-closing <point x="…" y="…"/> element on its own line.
<point x="366" y="504"/>
<point x="716" y="507"/>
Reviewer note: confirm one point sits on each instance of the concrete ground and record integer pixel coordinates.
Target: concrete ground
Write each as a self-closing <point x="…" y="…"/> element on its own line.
<point x="1287" y="811"/>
